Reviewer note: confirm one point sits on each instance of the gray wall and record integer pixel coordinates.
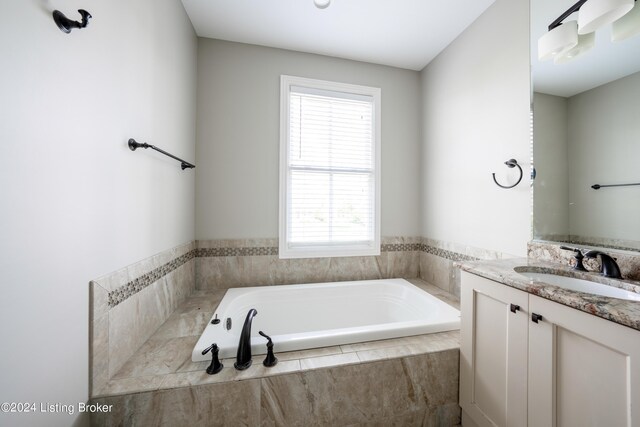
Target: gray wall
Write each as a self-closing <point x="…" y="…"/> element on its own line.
<point x="604" y="135"/>
<point x="76" y="203"/>
<point x="238" y="136"/>
<point x="551" y="187"/>
<point x="476" y="100"/>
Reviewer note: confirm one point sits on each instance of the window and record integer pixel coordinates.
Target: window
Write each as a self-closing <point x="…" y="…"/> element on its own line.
<point x="329" y="169"/>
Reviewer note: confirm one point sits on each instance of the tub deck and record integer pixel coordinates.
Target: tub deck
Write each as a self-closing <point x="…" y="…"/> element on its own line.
<point x="164" y="361"/>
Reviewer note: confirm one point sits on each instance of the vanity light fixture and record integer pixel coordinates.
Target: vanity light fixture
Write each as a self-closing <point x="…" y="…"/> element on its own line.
<point x="627" y="26"/>
<point x="322" y="4"/>
<point x="566" y="41"/>
<point x="559" y="39"/>
<point x="595" y="14"/>
<point x="586" y="42"/>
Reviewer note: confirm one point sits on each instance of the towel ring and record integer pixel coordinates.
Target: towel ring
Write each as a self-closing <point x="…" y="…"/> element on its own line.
<point x="511" y="163"/>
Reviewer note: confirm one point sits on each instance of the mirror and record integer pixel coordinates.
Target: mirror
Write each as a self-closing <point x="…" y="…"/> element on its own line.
<point x="586" y="132"/>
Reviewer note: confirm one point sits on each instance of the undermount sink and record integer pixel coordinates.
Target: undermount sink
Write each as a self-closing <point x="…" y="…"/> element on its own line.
<point x="580" y="285"/>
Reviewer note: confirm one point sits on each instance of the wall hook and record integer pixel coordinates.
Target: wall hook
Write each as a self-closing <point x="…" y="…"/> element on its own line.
<point x="66" y="25"/>
<point x="511" y="163"/>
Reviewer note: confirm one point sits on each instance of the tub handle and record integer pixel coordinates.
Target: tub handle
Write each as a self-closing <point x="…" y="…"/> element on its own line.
<point x="215" y="366"/>
<point x="271" y="359"/>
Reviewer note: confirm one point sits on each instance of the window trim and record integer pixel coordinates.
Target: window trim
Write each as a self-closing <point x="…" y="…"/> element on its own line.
<point x="317" y="251"/>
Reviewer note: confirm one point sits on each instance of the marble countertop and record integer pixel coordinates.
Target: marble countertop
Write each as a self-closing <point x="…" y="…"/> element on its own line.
<point x="620" y="311"/>
<point x="164" y="361"/>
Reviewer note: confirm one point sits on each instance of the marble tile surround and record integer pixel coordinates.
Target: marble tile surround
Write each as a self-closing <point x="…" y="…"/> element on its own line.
<point x="121" y="293"/>
<point x="419" y="390"/>
<point x="129" y="305"/>
<point x="438" y="258"/>
<point x="222" y="264"/>
<point x="255" y="262"/>
<point x="403" y="381"/>
<point x="164" y="361"/>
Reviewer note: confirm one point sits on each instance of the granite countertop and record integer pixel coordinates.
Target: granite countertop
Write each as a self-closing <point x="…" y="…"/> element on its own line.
<point x="164" y="361"/>
<point x="620" y="311"/>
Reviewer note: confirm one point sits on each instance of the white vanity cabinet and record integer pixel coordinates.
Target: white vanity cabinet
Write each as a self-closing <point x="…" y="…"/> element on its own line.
<point x="583" y="370"/>
<point x="568" y="369"/>
<point x="493" y="352"/>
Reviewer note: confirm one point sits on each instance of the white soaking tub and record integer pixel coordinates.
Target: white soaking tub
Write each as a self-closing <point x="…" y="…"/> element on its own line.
<point x="314" y="315"/>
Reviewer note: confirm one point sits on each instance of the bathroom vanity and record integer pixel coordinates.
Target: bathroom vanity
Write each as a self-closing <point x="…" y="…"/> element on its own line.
<point x="540" y="355"/>
<point x="533" y="351"/>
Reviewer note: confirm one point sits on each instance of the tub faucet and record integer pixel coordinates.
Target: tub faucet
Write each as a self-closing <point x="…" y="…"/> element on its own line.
<point x="243" y="359"/>
<point x="608" y="265"/>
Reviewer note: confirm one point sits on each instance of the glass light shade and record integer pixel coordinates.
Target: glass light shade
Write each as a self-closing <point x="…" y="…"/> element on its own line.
<point x="558" y="40"/>
<point x="586" y="42"/>
<point x="322" y="4"/>
<point x="627" y="26"/>
<point x="595" y="14"/>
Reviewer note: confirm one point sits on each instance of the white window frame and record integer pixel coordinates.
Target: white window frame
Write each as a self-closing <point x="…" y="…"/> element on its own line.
<point x="315" y="250"/>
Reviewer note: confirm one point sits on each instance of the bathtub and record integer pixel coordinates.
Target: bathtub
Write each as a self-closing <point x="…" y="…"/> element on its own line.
<point x="299" y="317"/>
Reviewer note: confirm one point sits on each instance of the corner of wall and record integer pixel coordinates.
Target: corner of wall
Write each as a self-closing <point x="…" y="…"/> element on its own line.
<point x="475" y="109"/>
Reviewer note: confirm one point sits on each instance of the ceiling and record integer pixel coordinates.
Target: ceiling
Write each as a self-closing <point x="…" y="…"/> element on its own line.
<point x="406" y="33"/>
<point x="606" y="62"/>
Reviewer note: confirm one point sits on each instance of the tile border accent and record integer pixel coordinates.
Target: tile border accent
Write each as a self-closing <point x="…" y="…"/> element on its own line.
<point x="443" y="253"/>
<point x="273" y="250"/>
<point x="400" y="247"/>
<point x="241" y="251"/>
<point x="139" y="283"/>
<point x="385" y="247"/>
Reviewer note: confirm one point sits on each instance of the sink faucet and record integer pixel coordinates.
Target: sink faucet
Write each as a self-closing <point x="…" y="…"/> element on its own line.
<point x="243" y="359"/>
<point x="608" y="265"/>
<point x="578" y="257"/>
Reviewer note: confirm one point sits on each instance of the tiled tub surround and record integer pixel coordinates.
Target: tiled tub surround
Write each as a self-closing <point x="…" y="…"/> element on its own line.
<point x="438" y="258"/>
<point x="404" y="381"/>
<point x="629" y="261"/>
<point x="129" y="305"/>
<point x="616" y="310"/>
<point x="222" y="264"/>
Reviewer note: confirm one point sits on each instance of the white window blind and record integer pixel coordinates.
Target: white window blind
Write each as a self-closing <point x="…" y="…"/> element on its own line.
<point x="329" y="176"/>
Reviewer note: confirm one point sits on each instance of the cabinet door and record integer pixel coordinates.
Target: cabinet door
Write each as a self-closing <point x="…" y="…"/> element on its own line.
<point x="583" y="370"/>
<point x="493" y="352"/>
